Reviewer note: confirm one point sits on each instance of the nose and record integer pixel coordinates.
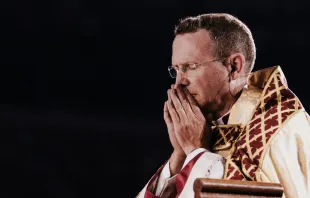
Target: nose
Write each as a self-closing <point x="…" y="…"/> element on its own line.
<point x="181" y="80"/>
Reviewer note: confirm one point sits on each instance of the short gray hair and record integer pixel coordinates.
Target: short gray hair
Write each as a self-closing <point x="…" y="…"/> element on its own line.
<point x="228" y="33"/>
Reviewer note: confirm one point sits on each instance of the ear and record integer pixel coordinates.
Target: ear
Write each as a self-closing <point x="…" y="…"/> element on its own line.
<point x="236" y="65"/>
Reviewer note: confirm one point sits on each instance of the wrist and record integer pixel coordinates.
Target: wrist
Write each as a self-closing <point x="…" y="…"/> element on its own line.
<point x="178" y="153"/>
<point x="176" y="161"/>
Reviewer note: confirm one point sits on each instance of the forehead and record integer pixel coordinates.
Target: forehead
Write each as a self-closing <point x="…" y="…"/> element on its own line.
<point x="191" y="47"/>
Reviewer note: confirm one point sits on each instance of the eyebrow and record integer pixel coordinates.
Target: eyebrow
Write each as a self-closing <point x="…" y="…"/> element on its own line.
<point x="183" y="64"/>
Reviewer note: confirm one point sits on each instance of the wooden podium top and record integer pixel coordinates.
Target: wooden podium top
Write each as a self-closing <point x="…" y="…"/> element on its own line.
<point x="222" y="188"/>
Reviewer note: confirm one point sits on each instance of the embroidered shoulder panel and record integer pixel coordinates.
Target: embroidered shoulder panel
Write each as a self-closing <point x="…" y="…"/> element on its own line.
<point x="276" y="105"/>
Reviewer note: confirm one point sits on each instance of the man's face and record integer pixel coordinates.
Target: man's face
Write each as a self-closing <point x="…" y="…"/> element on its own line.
<point x="208" y="83"/>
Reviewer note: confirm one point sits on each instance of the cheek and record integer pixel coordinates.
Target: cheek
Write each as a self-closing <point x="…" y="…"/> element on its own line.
<point x="207" y="84"/>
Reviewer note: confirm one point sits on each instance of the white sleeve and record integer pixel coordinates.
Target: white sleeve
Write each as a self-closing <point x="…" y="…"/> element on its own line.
<point x="192" y="155"/>
<point x="166" y="183"/>
<point x="164" y="180"/>
<point x="208" y="165"/>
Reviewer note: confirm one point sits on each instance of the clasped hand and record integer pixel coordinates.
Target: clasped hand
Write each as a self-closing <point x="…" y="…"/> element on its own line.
<point x="187" y="126"/>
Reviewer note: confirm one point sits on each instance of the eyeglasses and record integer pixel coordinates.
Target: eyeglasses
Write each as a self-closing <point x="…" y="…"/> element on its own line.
<point x="173" y="71"/>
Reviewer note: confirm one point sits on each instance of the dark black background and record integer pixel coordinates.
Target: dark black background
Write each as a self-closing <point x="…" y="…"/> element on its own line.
<point x="83" y="85"/>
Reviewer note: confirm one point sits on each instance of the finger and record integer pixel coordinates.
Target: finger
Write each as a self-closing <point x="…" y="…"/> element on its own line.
<point x="167" y="116"/>
<point x="170" y="102"/>
<point x="177" y="104"/>
<point x="168" y="94"/>
<point x="193" y="103"/>
<point x="169" y="98"/>
<point x="168" y="119"/>
<point x="172" y="112"/>
<point x="183" y="99"/>
<point x="189" y="97"/>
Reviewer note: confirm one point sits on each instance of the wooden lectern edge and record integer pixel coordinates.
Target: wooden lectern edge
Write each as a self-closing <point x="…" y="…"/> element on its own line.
<point x="237" y="187"/>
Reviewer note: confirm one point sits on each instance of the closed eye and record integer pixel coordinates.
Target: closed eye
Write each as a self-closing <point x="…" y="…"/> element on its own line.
<point x="191" y="66"/>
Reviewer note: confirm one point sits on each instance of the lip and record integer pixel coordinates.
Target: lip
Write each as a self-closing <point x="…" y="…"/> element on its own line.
<point x="193" y="94"/>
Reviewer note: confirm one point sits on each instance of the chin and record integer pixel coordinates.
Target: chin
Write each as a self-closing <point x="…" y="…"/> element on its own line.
<point x="201" y="103"/>
<point x="204" y="105"/>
